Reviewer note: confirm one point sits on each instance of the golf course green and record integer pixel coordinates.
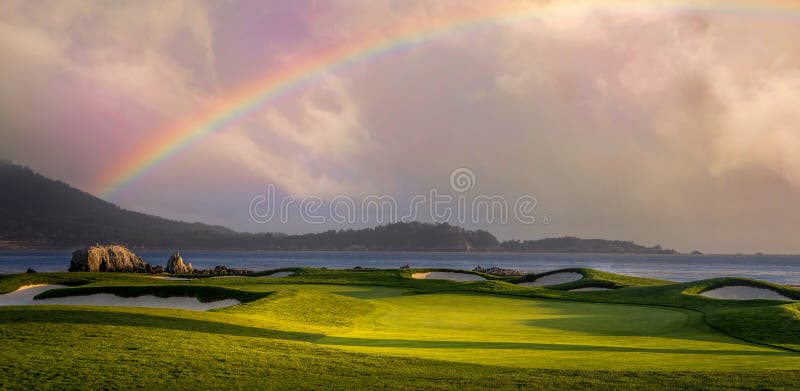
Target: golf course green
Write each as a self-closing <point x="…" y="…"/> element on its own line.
<point x="350" y="329"/>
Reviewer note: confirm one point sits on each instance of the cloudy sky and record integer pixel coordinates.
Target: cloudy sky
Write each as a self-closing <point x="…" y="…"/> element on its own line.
<point x="661" y="123"/>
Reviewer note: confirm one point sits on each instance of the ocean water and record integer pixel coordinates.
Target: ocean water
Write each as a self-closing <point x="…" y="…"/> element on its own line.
<point x="781" y="269"/>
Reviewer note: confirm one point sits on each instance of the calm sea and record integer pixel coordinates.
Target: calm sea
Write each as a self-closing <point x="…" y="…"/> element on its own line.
<point x="782" y="269"/>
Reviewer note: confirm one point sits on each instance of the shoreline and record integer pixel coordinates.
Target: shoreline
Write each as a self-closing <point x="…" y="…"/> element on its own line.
<point x="70" y="249"/>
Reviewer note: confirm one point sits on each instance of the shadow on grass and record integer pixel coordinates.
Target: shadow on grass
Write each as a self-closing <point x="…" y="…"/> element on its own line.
<point x="354" y="291"/>
<point x="421" y="344"/>
<point x="783" y="323"/>
<point x="618" y="320"/>
<point x="106" y="318"/>
<point x="66" y="317"/>
<point x="374" y="293"/>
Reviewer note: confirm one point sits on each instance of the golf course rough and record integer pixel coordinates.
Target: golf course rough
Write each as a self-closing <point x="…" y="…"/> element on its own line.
<point x="381" y="329"/>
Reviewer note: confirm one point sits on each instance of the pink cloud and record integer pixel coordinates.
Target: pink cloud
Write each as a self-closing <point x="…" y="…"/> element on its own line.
<point x="659" y="126"/>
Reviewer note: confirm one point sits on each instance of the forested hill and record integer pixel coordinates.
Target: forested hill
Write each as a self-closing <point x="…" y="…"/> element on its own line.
<point x="571" y="244"/>
<point x="38" y="212"/>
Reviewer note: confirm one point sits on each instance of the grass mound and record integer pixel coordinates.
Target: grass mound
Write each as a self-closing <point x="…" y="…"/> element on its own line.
<point x="295" y="270"/>
<point x="774" y="325"/>
<point x="307" y="307"/>
<point x="13" y="282"/>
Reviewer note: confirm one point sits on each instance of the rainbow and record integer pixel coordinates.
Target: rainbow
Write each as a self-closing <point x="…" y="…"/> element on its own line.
<point x="254" y="95"/>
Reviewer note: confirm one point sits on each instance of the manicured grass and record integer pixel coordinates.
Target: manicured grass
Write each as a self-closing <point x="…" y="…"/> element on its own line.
<point x="10" y="283"/>
<point x="159" y="349"/>
<point x="554" y="334"/>
<point x="306" y="309"/>
<point x="381" y="329"/>
<point x="782" y="323"/>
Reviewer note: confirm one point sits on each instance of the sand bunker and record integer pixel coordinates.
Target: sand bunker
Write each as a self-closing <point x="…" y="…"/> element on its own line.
<point x="590" y="289"/>
<point x="148" y="301"/>
<point x="279" y="274"/>
<point x="25" y="295"/>
<point x="172" y="278"/>
<point x="447" y="276"/>
<point x="743" y="292"/>
<point x="554" y="279"/>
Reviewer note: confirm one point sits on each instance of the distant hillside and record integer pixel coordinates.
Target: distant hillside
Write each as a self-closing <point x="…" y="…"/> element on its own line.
<point x="571" y="244"/>
<point x="412" y="236"/>
<point x="38" y="212"/>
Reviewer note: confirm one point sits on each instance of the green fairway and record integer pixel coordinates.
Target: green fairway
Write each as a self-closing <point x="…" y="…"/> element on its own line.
<point x="553" y="334"/>
<point x="354" y="329"/>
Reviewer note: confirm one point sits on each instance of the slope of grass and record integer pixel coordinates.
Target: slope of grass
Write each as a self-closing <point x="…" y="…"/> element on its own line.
<point x="12" y="282"/>
<point x="81" y="348"/>
<point x="552" y="334"/>
<point x="641" y="291"/>
<point x="307" y="308"/>
<point x="780" y="322"/>
<point x="381" y="329"/>
<point x="9" y="283"/>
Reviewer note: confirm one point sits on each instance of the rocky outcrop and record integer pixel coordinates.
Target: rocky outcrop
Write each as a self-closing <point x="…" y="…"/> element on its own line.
<point x="498" y="271"/>
<point x="175" y="265"/>
<point x="112" y="258"/>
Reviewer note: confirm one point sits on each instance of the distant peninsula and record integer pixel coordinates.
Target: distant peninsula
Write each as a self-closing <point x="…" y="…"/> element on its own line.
<point x="38" y="212"/>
